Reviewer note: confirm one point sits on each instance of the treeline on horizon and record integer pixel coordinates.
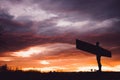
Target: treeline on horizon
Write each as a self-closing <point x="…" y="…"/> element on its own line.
<point x="7" y="74"/>
<point x="5" y="68"/>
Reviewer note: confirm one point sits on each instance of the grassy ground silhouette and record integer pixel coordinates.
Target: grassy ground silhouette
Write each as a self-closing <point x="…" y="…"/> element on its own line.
<point x="34" y="75"/>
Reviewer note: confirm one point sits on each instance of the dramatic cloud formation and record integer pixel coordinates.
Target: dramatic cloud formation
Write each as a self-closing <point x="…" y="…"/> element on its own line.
<point x="43" y="33"/>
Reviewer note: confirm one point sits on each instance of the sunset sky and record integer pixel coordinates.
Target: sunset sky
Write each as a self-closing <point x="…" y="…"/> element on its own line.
<point x="41" y="34"/>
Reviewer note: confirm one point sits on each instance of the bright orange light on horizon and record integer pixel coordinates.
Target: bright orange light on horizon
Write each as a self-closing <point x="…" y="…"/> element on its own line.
<point x="44" y="58"/>
<point x="80" y="69"/>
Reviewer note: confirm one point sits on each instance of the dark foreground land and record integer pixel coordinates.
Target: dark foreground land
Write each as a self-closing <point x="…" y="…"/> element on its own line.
<point x="19" y="75"/>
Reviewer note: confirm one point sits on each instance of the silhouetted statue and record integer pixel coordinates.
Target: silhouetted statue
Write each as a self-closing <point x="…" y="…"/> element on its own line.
<point x="98" y="57"/>
<point x="94" y="49"/>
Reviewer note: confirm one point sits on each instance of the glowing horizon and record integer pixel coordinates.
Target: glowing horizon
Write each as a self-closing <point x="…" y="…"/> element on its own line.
<point x="80" y="69"/>
<point x="28" y="57"/>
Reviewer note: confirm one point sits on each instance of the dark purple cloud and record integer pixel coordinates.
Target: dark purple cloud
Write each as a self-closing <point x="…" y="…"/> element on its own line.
<point x="98" y="9"/>
<point x="19" y="30"/>
<point x="4" y="14"/>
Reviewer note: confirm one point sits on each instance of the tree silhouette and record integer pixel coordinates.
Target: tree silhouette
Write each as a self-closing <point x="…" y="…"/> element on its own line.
<point x="4" y="68"/>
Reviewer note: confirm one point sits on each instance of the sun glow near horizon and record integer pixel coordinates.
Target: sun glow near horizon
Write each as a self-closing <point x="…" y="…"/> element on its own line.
<point x="45" y="58"/>
<point x="79" y="69"/>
